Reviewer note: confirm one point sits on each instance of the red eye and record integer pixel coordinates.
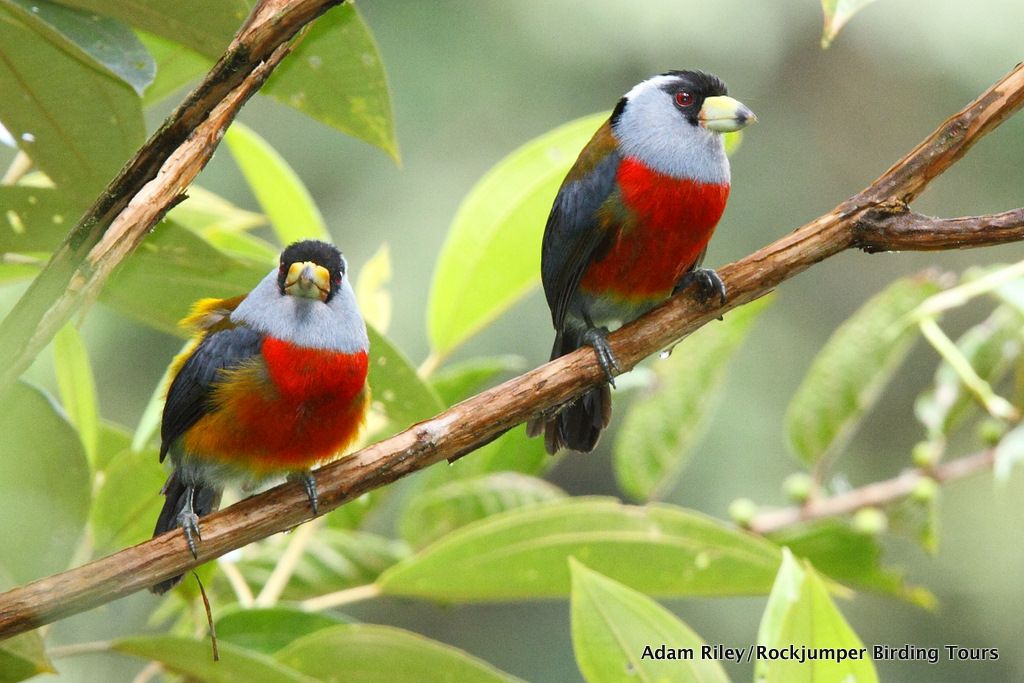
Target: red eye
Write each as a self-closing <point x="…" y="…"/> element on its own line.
<point x="684" y="99"/>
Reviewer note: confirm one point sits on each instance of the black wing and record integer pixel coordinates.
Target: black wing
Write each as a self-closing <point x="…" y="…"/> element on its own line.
<point x="189" y="395"/>
<point x="572" y="234"/>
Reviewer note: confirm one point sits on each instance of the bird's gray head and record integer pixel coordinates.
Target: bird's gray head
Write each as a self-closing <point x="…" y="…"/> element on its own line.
<point x="673" y="123"/>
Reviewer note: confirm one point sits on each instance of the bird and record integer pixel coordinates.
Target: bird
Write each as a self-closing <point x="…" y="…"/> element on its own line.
<point x="273" y="384"/>
<point x="630" y="225"/>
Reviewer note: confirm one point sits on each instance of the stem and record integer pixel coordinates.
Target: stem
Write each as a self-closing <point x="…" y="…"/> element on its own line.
<point x="429" y="365"/>
<point x="996" y="405"/>
<point x="339" y="598"/>
<point x="282" y="573"/>
<point x="874" y="494"/>
<point x="21" y="165"/>
<point x="955" y="297"/>
<point x="243" y="594"/>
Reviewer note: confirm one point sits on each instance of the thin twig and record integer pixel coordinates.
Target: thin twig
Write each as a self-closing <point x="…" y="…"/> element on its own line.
<point x="872" y="495"/>
<point x="342" y="597"/>
<point x="482" y="418"/>
<point x="285" y="567"/>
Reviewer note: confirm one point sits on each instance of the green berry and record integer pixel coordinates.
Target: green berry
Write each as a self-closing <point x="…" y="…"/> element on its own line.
<point x="870" y="521"/>
<point x="925" y="490"/>
<point x="798" y="487"/>
<point x="926" y="453"/>
<point x="991" y="430"/>
<point x="742" y="511"/>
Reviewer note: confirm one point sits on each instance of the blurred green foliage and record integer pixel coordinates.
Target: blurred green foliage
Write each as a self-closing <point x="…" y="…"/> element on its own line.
<point x="474" y="88"/>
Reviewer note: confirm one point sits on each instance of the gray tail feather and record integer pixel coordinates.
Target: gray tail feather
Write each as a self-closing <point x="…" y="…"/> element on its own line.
<point x="578" y="425"/>
<point x="205" y="499"/>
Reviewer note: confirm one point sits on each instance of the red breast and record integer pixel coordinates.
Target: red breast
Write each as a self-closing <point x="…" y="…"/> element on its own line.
<point x="291" y="409"/>
<point x="668" y="223"/>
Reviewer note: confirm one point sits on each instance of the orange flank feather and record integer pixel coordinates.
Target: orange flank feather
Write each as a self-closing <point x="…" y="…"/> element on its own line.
<point x="678" y="218"/>
<point x="288" y="409"/>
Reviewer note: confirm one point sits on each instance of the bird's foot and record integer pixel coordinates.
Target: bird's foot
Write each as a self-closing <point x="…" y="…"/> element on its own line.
<point x="707" y="282"/>
<point x="305" y="477"/>
<point x="189" y="522"/>
<point x="597" y="337"/>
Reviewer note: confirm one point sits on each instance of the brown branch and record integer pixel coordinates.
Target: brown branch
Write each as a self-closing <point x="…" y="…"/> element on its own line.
<point x="482" y="418"/>
<point x="901" y="229"/>
<point x="872" y="495"/>
<point x="165" y="166"/>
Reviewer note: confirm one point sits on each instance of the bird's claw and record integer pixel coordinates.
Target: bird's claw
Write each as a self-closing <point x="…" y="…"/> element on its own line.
<point x="189" y="522"/>
<point x="708" y="284"/>
<point x="305" y="477"/>
<point x="597" y="337"/>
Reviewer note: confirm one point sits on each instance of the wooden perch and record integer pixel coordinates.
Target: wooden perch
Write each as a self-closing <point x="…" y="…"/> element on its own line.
<point x="876" y="219"/>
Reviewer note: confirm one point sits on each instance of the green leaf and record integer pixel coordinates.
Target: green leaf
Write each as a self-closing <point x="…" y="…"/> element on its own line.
<point x="1012" y="293"/>
<point x="491" y="256"/>
<point x="128" y="501"/>
<point x="837" y="13"/>
<point x="14" y="272"/>
<point x="34" y="219"/>
<point x="112" y="440"/>
<point x="1009" y="452"/>
<point x="77" y="122"/>
<point x="268" y="630"/>
<point x="850" y="371"/>
<point x="800" y="614"/>
<point x="521" y="554"/>
<point x="369" y="654"/>
<point x="333" y="560"/>
<point x="665" y="422"/>
<point x="286" y="201"/>
<point x="459" y="381"/>
<point x="108" y="43"/>
<point x="991" y="347"/>
<point x="732" y="141"/>
<point x="77" y="387"/>
<point x="171" y="270"/>
<point x="224" y="226"/>
<point x="851" y="558"/>
<point x="206" y="213"/>
<point x="396" y="387"/>
<point x="148" y="429"/>
<point x="336" y="76"/>
<point x="176" y="65"/>
<point x="44" y="485"/>
<point x="371" y="289"/>
<point x="614" y="628"/>
<point x="194" y="659"/>
<point x="203" y="26"/>
<point x="444" y="509"/>
<point x="23" y="657"/>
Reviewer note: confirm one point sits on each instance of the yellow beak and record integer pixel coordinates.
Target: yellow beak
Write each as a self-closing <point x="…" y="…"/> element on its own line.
<point x="309" y="280"/>
<point x="723" y="114"/>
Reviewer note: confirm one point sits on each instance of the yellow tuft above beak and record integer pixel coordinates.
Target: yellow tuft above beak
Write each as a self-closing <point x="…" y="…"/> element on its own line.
<point x="309" y="280"/>
<point x="723" y="114"/>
